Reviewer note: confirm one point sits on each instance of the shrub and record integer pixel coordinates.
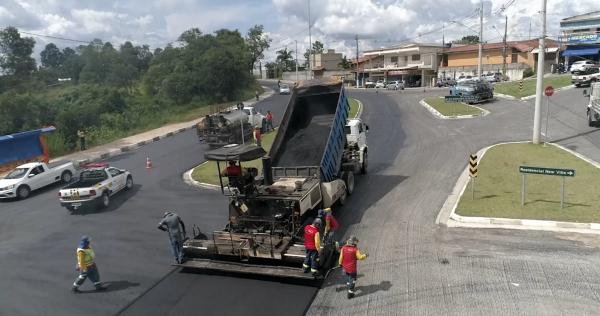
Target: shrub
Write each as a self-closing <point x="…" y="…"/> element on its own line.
<point x="528" y="73"/>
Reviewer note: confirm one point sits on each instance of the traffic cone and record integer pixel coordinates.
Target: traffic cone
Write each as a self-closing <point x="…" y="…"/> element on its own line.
<point x="148" y="163"/>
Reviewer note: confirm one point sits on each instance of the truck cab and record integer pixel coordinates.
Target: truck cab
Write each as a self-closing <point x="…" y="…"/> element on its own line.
<point x="255" y="117"/>
<point x="356" y="135"/>
<point x="593" y="107"/>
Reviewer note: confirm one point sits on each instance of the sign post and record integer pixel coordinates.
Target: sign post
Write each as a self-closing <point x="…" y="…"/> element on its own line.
<point x="521" y="88"/>
<point x="549" y="91"/>
<point x="473" y="173"/>
<point x="546" y="172"/>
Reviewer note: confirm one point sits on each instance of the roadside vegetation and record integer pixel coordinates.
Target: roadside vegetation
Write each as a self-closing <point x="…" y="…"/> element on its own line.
<point x="498" y="186"/>
<point x="452" y="109"/>
<point x="512" y="88"/>
<point x="113" y="92"/>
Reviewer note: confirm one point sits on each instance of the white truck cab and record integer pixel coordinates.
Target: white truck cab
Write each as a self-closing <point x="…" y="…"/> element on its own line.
<point x="356" y="135"/>
<point x="255" y="117"/>
<point x="34" y="175"/>
<point x="593" y="107"/>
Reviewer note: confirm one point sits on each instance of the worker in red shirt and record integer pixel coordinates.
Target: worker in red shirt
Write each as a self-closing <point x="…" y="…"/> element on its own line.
<point x="331" y="225"/>
<point x="269" y="118"/>
<point x="257" y="136"/>
<point x="312" y="244"/>
<point x="349" y="255"/>
<point x="233" y="170"/>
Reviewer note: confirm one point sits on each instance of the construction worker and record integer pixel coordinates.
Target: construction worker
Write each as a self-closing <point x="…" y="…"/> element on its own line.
<point x="173" y="224"/>
<point x="81" y="136"/>
<point x="349" y="255"/>
<point x="233" y="170"/>
<point x="312" y="244"/>
<point x="269" y="121"/>
<point x="331" y="225"/>
<point x="257" y="136"/>
<point x="86" y="266"/>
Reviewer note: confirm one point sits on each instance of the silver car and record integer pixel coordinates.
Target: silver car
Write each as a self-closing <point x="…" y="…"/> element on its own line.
<point x="395" y="85"/>
<point x="284" y="89"/>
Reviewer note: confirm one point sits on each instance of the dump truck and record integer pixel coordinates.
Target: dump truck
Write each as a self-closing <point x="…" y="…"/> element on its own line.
<point x="223" y="128"/>
<point x="311" y="165"/>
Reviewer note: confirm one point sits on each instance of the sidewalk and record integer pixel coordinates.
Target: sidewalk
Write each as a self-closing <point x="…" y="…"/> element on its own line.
<point x="130" y="143"/>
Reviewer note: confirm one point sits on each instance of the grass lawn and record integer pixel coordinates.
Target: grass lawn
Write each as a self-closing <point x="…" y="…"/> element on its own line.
<point x="498" y="186"/>
<point x="353" y="108"/>
<point x="512" y="88"/>
<point x="207" y="173"/>
<point x="451" y="109"/>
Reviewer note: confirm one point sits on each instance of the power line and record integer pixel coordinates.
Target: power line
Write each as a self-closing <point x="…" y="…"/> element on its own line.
<point x="55" y="37"/>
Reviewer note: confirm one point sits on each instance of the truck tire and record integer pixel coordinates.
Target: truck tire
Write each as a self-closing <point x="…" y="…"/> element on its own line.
<point x="365" y="163"/>
<point x="129" y="183"/>
<point x="66" y="176"/>
<point x="23" y="192"/>
<point x="104" y="200"/>
<point x="348" y="177"/>
<point x="342" y="199"/>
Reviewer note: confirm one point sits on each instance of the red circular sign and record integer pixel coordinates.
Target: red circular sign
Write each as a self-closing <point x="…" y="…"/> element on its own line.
<point x="549" y="91"/>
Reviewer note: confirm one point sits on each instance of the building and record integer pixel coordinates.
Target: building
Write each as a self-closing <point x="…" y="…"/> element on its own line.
<point x="326" y="64"/>
<point x="520" y="55"/>
<point x="414" y="63"/>
<point x="581" y="36"/>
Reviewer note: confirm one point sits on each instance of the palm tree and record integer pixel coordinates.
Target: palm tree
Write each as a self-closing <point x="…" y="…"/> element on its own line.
<point x="345" y="63"/>
<point x="285" y="59"/>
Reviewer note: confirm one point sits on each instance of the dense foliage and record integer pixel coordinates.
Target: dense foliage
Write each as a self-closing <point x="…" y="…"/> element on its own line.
<point x="108" y="91"/>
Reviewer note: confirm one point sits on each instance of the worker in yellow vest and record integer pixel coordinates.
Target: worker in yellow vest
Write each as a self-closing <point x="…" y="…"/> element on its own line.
<point x="86" y="266"/>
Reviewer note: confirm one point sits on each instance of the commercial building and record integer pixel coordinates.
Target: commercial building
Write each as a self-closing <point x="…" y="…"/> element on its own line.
<point x="581" y="36"/>
<point x="520" y="55"/>
<point x="327" y="64"/>
<point x="415" y="64"/>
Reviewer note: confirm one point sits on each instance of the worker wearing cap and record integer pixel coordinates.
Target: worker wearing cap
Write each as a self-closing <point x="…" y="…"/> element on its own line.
<point x="349" y="255"/>
<point x="331" y="225"/>
<point x="86" y="266"/>
<point x="173" y="224"/>
<point x="312" y="244"/>
<point x="233" y="170"/>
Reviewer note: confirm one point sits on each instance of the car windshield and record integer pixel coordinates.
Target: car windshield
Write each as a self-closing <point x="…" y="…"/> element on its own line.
<point x="17" y="173"/>
<point x="284" y="86"/>
<point x="93" y="175"/>
<point x="465" y="87"/>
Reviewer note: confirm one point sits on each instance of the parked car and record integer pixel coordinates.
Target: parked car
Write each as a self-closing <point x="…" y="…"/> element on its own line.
<point x="581" y="65"/>
<point x="463" y="78"/>
<point x="492" y="77"/>
<point x="445" y="82"/>
<point x="255" y="118"/>
<point x="380" y="84"/>
<point x="395" y="85"/>
<point x="35" y="175"/>
<point x="97" y="183"/>
<point x="284" y="89"/>
<point x="479" y="90"/>
<point x="369" y="84"/>
<point x="585" y="77"/>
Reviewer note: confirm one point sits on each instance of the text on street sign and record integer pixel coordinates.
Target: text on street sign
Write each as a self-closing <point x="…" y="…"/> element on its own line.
<point x="547" y="171"/>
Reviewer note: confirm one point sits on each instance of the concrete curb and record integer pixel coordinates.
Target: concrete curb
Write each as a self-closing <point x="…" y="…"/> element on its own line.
<point x="187" y="178"/>
<point x="439" y="115"/>
<point x="529" y="97"/>
<point x="360" y="109"/>
<point x="449" y="218"/>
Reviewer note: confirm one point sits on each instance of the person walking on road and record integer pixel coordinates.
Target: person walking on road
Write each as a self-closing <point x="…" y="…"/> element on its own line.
<point x="349" y="255"/>
<point x="312" y="244"/>
<point x="256" y="93"/>
<point x="81" y="136"/>
<point x="86" y="265"/>
<point x="331" y="225"/>
<point x="257" y="136"/>
<point x="172" y="224"/>
<point x="269" y="118"/>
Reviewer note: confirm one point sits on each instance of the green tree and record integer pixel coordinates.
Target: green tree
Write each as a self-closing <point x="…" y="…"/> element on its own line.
<point x="317" y="48"/>
<point x="15" y="53"/>
<point x="345" y="63"/>
<point x="285" y="59"/>
<point x="469" y="39"/>
<point x="257" y="43"/>
<point x="51" y="56"/>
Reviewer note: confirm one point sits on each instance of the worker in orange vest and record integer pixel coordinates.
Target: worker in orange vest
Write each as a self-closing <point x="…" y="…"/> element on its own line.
<point x="312" y="244"/>
<point x="349" y="255"/>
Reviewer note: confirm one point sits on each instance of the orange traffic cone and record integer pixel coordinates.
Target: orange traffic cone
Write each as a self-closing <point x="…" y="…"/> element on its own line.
<point x="148" y="163"/>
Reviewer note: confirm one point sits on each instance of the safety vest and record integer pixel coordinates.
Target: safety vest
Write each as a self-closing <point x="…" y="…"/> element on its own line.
<point x="349" y="259"/>
<point x="333" y="224"/>
<point x="88" y="256"/>
<point x="309" y="237"/>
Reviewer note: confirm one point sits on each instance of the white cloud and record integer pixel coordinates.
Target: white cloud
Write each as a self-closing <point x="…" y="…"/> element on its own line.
<point x="97" y="21"/>
<point x="5" y="14"/>
<point x="57" y="25"/>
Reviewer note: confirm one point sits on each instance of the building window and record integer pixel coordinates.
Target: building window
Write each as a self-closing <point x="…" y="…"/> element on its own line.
<point x="415" y="57"/>
<point x="394" y="59"/>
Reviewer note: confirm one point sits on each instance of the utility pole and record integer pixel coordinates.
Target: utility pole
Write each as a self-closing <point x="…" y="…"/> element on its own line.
<point x="479" y="65"/>
<point x="529" y="34"/>
<point x="356" y="60"/>
<point x="309" y="43"/>
<point x="296" y="60"/>
<point x="505" y="49"/>
<point x="537" y="118"/>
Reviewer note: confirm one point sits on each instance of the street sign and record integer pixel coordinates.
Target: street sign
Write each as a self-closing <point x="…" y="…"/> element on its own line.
<point x="521" y="85"/>
<point x="458" y="98"/>
<point x="549" y="91"/>
<point x="547" y="171"/>
<point x="473" y="166"/>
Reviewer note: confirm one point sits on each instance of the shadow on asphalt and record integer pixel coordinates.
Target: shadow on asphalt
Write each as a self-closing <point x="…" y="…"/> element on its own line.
<point x="113" y="286"/>
<point x="115" y="202"/>
<point x="575" y="136"/>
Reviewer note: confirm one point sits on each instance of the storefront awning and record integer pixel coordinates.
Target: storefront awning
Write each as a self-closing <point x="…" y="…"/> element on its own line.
<point x="581" y="52"/>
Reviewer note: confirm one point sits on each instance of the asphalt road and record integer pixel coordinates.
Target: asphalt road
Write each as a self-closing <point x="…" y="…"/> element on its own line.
<point x="38" y="239"/>
<point x="418" y="268"/>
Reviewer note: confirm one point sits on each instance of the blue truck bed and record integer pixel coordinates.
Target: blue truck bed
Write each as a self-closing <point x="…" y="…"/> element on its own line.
<point x="312" y="129"/>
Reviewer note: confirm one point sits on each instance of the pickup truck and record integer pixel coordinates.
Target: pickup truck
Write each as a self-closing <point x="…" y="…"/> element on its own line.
<point x="593" y="107"/>
<point x="254" y="117"/>
<point x="96" y="185"/>
<point x="585" y="77"/>
<point x="34" y="175"/>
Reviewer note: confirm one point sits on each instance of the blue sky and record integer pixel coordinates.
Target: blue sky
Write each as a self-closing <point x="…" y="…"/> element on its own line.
<point x="378" y="23"/>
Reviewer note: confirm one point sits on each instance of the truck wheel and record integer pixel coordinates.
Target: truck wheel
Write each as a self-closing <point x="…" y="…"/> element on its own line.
<point x="365" y="163"/>
<point x="129" y="183"/>
<point x="23" y="192"/>
<point x="70" y="208"/>
<point x="66" y="177"/>
<point x="342" y="199"/>
<point x="104" y="200"/>
<point x="590" y="118"/>
<point x="348" y="178"/>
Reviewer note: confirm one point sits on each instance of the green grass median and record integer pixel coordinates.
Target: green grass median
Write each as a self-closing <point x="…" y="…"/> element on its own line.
<point x="353" y="108"/>
<point x="512" y="88"/>
<point x="498" y="186"/>
<point x="207" y="173"/>
<point x="451" y="109"/>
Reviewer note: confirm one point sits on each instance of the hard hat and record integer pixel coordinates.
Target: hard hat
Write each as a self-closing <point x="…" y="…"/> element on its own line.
<point x="86" y="238"/>
<point x="317" y="222"/>
<point x="352" y="241"/>
<point x="167" y="214"/>
<point x="327" y="209"/>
